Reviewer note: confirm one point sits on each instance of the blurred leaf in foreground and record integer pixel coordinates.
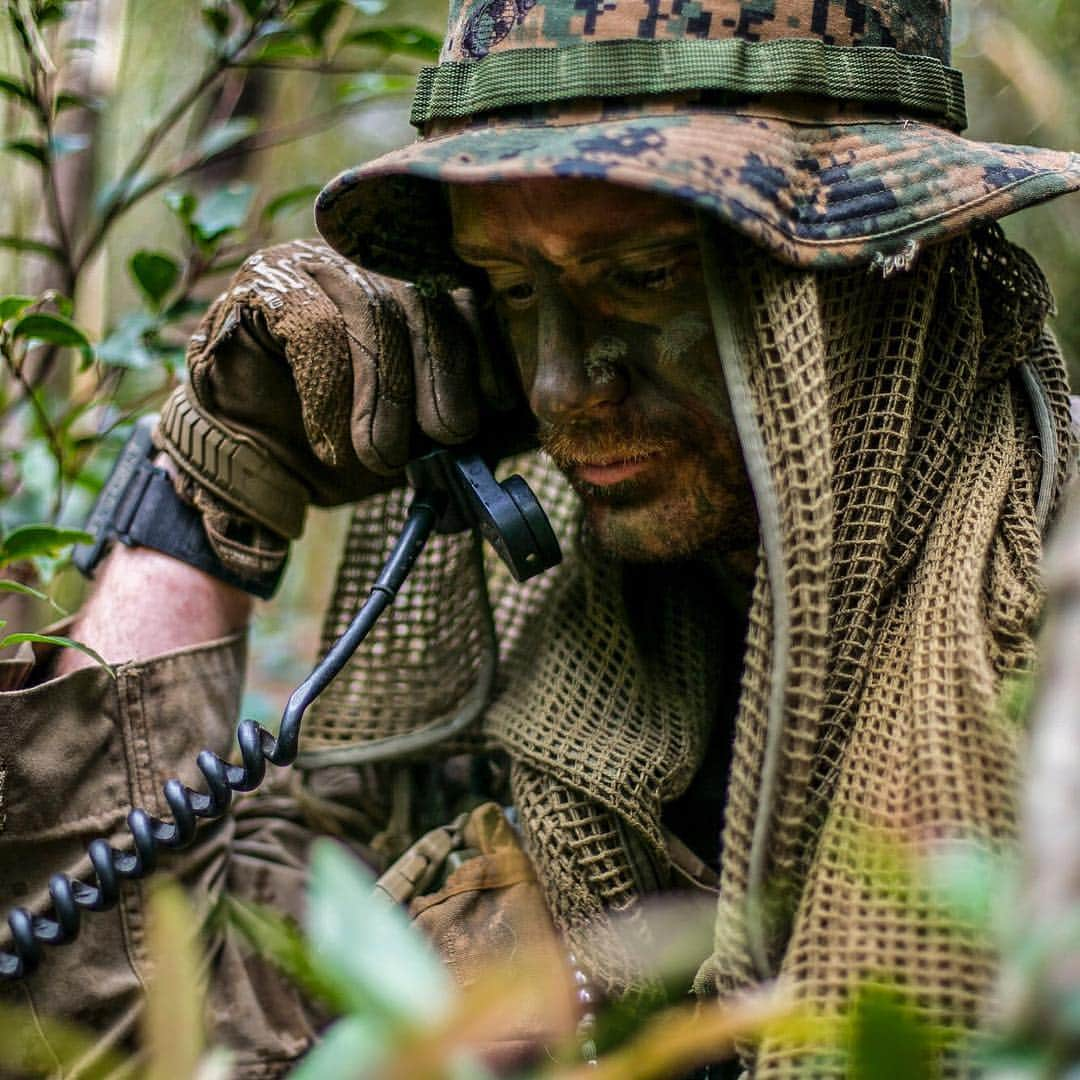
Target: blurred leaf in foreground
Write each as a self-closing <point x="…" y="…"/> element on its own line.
<point x="368" y="948"/>
<point x="173" y="1022"/>
<point x="888" y="1039"/>
<point x="33" y="1045"/>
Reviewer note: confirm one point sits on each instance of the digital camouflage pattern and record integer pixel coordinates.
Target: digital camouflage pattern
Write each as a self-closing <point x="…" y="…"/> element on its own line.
<point x="490" y="26"/>
<point x="823" y="177"/>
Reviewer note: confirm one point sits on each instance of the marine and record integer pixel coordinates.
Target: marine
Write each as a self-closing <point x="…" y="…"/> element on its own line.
<point x="802" y="429"/>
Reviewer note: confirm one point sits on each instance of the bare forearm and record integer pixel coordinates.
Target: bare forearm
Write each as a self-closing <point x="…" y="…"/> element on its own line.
<point x="145" y="603"/>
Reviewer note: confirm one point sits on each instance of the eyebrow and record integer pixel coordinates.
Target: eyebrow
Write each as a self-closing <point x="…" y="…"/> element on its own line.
<point x="480" y="253"/>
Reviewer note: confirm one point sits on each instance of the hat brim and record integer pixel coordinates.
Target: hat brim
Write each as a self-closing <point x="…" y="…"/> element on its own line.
<point x="817" y="194"/>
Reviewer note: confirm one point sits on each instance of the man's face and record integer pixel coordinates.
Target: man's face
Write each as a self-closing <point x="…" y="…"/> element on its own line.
<point x="602" y="294"/>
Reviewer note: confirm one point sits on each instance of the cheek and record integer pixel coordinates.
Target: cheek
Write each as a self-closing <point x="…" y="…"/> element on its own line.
<point x="519" y="335"/>
<point x="683" y="340"/>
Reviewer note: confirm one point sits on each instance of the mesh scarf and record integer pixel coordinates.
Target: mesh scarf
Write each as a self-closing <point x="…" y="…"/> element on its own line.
<point x="906" y="471"/>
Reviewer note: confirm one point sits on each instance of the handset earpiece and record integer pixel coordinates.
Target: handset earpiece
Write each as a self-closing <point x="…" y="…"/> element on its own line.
<point x="508" y="515"/>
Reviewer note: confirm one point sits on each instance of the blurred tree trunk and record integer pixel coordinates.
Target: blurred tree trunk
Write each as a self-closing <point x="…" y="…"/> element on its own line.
<point x="1040" y="988"/>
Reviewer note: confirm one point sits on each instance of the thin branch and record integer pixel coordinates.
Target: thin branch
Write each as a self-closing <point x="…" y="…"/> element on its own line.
<point x="134" y="410"/>
<point x="121" y="201"/>
<point x="38" y="49"/>
<point x="55" y="212"/>
<point x="266" y="140"/>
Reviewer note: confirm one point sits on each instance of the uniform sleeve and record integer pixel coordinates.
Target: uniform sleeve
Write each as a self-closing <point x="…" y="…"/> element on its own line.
<point x="76" y="754"/>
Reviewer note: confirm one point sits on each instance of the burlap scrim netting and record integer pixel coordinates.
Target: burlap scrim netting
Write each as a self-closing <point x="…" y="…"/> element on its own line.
<point x="906" y="470"/>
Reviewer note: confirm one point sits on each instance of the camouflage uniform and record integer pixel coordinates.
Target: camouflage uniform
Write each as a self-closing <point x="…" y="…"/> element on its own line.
<point x="827" y="133"/>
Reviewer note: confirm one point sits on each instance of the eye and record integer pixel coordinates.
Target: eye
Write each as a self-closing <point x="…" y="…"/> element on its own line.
<point x="517" y="296"/>
<point x="649" y="279"/>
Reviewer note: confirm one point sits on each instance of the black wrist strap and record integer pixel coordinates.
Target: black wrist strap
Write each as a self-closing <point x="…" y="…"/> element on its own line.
<point x="139" y="507"/>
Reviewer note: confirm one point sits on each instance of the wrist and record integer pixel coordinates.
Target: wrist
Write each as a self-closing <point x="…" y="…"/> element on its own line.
<point x="140" y="507"/>
<point x="146" y="603"/>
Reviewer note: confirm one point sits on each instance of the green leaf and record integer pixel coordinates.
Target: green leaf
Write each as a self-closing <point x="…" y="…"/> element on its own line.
<point x="30" y="541"/>
<point x="223" y="211"/>
<point x="155" y="272"/>
<point x="367" y="947"/>
<point x="68" y="99"/>
<point x="10" y="306"/>
<point x="128" y="346"/>
<point x="351" y="1048"/>
<point x="182" y="203"/>
<point x="968" y="881"/>
<point x="183" y="308"/>
<point x="280" y="941"/>
<point x="28" y="148"/>
<point x="56" y="330"/>
<point x="64" y="304"/>
<point x="286" y="47"/>
<point x="16" y="88"/>
<point x="888" y="1040"/>
<point x="25" y="590"/>
<point x="120" y="191"/>
<point x="374" y="84"/>
<point x="288" y="200"/>
<point x="252" y="8"/>
<point x="60" y="642"/>
<point x="34" y="247"/>
<point x="50" y="11"/>
<point x="408" y="40"/>
<point x="218" y="139"/>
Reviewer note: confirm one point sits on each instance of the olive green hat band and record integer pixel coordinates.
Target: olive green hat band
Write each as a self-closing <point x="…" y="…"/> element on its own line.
<point x="633" y="68"/>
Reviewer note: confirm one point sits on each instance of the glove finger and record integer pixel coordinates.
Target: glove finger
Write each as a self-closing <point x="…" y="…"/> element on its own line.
<point x="382" y="406"/>
<point x="303" y="323"/>
<point x="444" y="366"/>
<point x="375" y="326"/>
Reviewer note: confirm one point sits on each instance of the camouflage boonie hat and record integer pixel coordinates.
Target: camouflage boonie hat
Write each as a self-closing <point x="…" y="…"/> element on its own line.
<point x="827" y="131"/>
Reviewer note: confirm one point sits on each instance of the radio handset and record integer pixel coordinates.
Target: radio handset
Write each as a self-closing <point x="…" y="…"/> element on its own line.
<point x="506" y="514"/>
<point x="455" y="490"/>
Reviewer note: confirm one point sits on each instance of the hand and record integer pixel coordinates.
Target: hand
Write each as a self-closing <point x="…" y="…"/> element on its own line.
<point x="312" y="380"/>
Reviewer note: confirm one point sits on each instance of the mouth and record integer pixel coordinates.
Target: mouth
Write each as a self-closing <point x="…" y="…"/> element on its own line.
<point x="615" y="470"/>
<point x="610" y="463"/>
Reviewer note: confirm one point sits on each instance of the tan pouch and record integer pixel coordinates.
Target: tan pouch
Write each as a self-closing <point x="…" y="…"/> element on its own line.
<point x="471" y="889"/>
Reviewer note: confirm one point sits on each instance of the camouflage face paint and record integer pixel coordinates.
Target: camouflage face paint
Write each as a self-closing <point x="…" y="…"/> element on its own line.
<point x="682" y="336"/>
<point x="602" y="294"/>
<point x="603" y="357"/>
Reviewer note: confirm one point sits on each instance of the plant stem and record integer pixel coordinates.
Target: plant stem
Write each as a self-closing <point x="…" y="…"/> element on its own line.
<point x="264" y="141"/>
<point x="55" y="213"/>
<point x="122" y="199"/>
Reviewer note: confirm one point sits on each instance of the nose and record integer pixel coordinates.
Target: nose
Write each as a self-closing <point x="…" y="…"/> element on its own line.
<point x="580" y="373"/>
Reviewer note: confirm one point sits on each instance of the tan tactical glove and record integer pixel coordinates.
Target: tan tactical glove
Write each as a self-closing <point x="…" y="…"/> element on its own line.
<point x="310" y="380"/>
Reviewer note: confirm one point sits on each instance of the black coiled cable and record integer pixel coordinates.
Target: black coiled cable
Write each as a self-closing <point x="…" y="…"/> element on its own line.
<point x="257" y="746"/>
